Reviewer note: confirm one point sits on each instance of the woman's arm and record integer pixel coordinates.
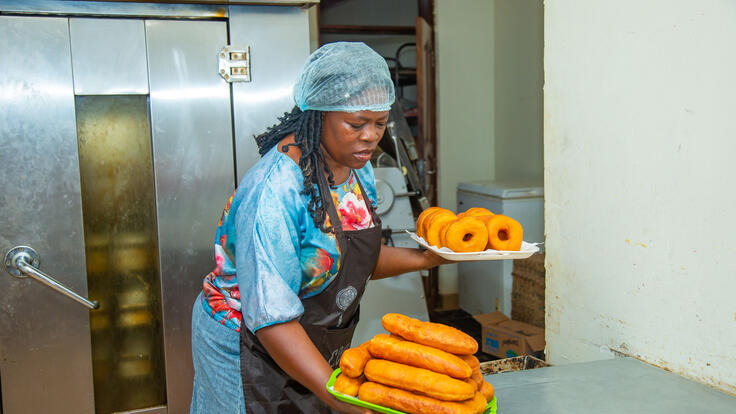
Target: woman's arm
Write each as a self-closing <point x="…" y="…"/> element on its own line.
<point x="394" y="261"/>
<point x="291" y="348"/>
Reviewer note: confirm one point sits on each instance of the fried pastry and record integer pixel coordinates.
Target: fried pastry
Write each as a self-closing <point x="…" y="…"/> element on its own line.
<point x="411" y="403"/>
<point x="353" y="360"/>
<point x="347" y="385"/>
<point x="417" y="355"/>
<point x="420" y="380"/>
<point x="431" y="334"/>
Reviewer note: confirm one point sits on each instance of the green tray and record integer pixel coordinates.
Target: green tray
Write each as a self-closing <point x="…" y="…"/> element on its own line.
<point x="490" y="409"/>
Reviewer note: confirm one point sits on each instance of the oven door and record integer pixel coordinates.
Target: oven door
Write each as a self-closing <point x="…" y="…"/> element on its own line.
<point x="45" y="361"/>
<point x="116" y="161"/>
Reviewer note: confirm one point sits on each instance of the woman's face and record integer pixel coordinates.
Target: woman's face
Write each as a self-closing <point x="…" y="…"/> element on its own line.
<point x="349" y="138"/>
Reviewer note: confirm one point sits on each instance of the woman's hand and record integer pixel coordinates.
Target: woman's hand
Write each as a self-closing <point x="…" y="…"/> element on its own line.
<point x="290" y="346"/>
<point x="435" y="259"/>
<point x="394" y="261"/>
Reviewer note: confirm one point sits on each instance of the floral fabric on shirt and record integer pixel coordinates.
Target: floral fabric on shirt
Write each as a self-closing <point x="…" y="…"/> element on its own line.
<point x="268" y="253"/>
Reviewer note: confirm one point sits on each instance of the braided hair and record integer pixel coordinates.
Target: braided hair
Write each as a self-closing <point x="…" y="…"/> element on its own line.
<point x="307" y="129"/>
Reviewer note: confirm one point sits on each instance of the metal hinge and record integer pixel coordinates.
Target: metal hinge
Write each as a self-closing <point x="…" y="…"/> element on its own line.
<point x="234" y="63"/>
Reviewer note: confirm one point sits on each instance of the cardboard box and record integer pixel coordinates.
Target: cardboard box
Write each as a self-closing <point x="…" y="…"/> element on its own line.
<point x="506" y="338"/>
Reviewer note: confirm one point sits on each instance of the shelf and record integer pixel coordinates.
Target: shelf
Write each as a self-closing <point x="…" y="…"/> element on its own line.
<point x="355" y="29"/>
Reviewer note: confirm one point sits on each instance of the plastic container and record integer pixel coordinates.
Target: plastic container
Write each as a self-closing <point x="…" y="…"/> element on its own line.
<point x="491" y="408"/>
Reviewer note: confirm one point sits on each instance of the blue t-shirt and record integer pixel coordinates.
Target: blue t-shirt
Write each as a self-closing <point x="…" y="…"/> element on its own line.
<point x="268" y="253"/>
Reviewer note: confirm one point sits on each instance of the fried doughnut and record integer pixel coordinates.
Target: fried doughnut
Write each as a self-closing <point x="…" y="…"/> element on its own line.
<point x="475" y="211"/>
<point x="353" y="360"/>
<point x="419" y="380"/>
<point x="443" y="233"/>
<point x="431" y="334"/>
<point x="417" y="355"/>
<point x="468" y="234"/>
<point x="415" y="404"/>
<point x="425" y="223"/>
<point x="421" y="218"/>
<point x="347" y="385"/>
<point x="487" y="390"/>
<point x="433" y="232"/>
<point x="484" y="218"/>
<point x="471" y="360"/>
<point x="504" y="233"/>
<point x="432" y="216"/>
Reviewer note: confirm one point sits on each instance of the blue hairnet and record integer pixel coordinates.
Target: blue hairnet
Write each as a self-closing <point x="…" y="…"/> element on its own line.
<point x="345" y="77"/>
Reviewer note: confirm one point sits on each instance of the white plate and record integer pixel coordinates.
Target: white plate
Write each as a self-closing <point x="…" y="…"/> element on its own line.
<point x="527" y="249"/>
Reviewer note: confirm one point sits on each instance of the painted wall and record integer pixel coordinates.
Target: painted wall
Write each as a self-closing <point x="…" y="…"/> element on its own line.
<point x="489" y="96"/>
<point x="465" y="111"/>
<point x="639" y="158"/>
<point x="519" y="76"/>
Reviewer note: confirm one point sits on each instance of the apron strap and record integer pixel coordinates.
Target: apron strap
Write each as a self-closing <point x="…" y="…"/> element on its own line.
<point x="328" y="204"/>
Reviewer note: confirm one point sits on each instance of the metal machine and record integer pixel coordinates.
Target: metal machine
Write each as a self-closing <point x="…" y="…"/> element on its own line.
<point x="124" y="128"/>
<point x="404" y="293"/>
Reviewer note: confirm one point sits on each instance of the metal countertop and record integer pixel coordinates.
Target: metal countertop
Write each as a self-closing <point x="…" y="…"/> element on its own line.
<point x="622" y="385"/>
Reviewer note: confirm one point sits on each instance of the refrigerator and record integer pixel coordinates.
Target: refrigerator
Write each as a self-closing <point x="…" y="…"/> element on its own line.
<point x="485" y="286"/>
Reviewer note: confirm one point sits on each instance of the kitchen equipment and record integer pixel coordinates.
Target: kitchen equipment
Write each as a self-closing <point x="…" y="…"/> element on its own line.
<point x="612" y="386"/>
<point x="401" y="294"/>
<point x="485" y="287"/>
<point x="122" y="141"/>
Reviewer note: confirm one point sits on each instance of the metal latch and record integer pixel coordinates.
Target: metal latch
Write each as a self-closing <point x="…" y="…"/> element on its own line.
<point x="234" y="63"/>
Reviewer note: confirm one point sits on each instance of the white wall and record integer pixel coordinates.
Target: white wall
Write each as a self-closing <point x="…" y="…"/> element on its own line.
<point x="639" y="149"/>
<point x="518" y="31"/>
<point x="489" y="97"/>
<point x="465" y="112"/>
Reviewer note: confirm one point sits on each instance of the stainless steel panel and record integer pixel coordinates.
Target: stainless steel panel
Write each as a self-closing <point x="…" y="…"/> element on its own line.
<point x="621" y="385"/>
<point x="105" y="8"/>
<point x="193" y="164"/>
<point x="154" y="410"/>
<point x="109" y="56"/>
<point x="279" y="44"/>
<point x="44" y="337"/>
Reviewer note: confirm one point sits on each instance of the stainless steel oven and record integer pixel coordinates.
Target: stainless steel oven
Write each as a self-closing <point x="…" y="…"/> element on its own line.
<point x="123" y="128"/>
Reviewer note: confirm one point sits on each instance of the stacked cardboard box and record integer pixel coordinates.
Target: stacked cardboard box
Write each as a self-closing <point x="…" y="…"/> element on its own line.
<point x="506" y="338"/>
<point x="527" y="293"/>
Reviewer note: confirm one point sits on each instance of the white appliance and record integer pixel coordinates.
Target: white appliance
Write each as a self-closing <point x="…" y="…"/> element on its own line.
<point x="486" y="286"/>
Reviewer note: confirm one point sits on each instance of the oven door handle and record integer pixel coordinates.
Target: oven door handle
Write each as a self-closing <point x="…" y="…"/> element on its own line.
<point x="23" y="261"/>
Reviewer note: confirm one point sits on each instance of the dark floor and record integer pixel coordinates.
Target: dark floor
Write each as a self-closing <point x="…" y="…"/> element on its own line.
<point x="463" y="321"/>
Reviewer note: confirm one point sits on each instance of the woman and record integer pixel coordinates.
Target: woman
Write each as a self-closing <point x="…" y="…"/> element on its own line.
<point x="296" y="245"/>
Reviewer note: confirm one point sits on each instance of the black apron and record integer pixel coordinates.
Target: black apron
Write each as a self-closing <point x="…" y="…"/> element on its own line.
<point x="329" y="320"/>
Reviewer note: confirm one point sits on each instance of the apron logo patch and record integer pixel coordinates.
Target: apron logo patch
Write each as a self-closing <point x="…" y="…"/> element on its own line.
<point x="345" y="297"/>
